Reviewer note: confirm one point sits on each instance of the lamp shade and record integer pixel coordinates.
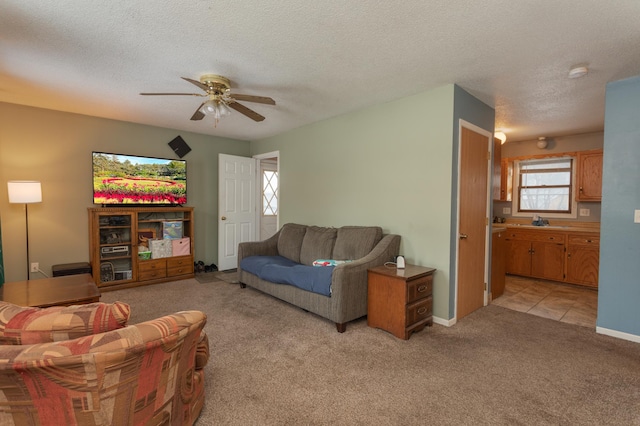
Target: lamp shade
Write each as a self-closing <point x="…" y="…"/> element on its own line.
<point x="24" y="191"/>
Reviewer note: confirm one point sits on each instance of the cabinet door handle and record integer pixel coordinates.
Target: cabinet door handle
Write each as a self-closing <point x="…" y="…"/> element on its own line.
<point x="422" y="288"/>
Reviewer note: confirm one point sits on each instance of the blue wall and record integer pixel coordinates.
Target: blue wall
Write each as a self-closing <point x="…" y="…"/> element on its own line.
<point x="471" y="110"/>
<point x="619" y="287"/>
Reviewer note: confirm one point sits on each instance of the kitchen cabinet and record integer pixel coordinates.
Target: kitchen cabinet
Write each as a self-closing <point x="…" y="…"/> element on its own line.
<point x="506" y="179"/>
<point x="498" y="262"/>
<point x="565" y="256"/>
<point x="497" y="170"/>
<point x="536" y="254"/>
<point x="583" y="258"/>
<point x="589" y="175"/>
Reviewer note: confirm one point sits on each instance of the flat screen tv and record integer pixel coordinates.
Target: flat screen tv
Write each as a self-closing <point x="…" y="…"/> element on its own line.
<point x="130" y="179"/>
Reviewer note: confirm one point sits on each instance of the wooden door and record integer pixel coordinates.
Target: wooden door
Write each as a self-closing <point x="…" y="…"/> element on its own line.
<point x="473" y="220"/>
<point x="236" y="207"/>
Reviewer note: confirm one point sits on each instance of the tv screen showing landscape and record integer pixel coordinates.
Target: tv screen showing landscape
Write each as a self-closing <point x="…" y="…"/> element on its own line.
<point x="130" y="179"/>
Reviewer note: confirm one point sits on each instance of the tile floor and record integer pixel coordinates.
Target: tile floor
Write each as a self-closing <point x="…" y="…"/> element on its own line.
<point x="560" y="302"/>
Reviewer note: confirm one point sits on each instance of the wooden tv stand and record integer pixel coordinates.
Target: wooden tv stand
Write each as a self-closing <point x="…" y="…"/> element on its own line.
<point x="115" y="233"/>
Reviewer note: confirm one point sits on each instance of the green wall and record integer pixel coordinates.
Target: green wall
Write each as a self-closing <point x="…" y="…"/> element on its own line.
<point x="55" y="148"/>
<point x="388" y="165"/>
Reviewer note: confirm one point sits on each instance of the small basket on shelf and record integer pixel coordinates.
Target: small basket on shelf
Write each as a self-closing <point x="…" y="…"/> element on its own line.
<point x="144" y="255"/>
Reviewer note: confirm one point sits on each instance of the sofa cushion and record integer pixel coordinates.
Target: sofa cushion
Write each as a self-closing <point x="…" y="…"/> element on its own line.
<point x="290" y="241"/>
<point x="24" y="325"/>
<point x="355" y="242"/>
<point x="317" y="244"/>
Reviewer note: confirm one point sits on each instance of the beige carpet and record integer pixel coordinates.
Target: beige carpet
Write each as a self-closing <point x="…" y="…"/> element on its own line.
<point x="274" y="364"/>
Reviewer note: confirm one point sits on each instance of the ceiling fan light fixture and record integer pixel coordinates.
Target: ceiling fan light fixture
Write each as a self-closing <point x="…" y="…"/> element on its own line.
<point x="223" y="108"/>
<point x="209" y="107"/>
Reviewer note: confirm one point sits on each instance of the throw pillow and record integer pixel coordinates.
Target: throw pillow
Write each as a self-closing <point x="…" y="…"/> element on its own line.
<point x="24" y="326"/>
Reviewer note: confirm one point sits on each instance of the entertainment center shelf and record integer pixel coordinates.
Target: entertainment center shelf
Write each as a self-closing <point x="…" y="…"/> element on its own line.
<point x="117" y="233"/>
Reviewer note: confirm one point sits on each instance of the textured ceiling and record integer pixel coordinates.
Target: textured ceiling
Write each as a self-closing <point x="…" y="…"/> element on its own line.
<point x="318" y="59"/>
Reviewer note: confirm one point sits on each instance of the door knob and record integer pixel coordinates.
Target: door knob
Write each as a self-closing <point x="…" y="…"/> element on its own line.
<point x="223" y="218"/>
<point x="463" y="236"/>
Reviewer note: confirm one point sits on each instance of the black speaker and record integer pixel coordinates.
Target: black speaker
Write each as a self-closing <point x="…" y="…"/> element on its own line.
<point x="179" y="146"/>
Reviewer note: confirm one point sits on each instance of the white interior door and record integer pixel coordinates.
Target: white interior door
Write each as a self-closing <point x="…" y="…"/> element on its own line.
<point x="236" y="207"/>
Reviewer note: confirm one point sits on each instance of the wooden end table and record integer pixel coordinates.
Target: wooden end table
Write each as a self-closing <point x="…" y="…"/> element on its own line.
<point x="400" y="301"/>
<point x="57" y="291"/>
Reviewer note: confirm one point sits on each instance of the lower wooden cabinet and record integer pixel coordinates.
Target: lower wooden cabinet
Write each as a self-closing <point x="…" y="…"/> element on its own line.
<point x="498" y="262"/>
<point x="536" y="254"/>
<point x="165" y="268"/>
<point x="583" y="259"/>
<point x="552" y="255"/>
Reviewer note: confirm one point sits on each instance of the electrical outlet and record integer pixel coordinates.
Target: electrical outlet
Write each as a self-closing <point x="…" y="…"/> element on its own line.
<point x="506" y="210"/>
<point x="585" y="212"/>
<point x="35" y="267"/>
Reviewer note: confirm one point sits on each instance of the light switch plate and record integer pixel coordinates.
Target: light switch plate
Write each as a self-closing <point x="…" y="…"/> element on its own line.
<point x="585" y="212"/>
<point x="506" y="210"/>
<point x="636" y="216"/>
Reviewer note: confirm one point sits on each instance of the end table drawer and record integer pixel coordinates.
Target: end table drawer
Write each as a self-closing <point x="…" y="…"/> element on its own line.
<point x="419" y="311"/>
<point x="419" y="289"/>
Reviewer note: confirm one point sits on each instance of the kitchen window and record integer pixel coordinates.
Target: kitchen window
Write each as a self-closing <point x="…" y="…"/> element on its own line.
<point x="545" y="186"/>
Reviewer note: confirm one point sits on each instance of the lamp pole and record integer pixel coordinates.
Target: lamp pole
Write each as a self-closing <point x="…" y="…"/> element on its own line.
<point x="25" y="192"/>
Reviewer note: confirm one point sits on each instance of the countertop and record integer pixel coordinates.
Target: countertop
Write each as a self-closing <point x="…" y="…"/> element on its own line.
<point x="578" y="227"/>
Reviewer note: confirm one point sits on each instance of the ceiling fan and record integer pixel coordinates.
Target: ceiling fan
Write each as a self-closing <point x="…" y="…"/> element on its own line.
<point x="217" y="88"/>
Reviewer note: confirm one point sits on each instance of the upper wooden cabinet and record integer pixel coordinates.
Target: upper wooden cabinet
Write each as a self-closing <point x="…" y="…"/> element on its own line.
<point x="589" y="175"/>
<point x="497" y="178"/>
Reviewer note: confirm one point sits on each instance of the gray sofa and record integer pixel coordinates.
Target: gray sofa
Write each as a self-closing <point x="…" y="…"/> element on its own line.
<point x="364" y="246"/>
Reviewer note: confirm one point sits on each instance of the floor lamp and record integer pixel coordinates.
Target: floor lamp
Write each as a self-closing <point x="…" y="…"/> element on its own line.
<point x="25" y="192"/>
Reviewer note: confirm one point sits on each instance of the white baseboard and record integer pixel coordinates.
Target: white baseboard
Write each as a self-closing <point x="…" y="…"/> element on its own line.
<point x="445" y="322"/>
<point x="618" y="334"/>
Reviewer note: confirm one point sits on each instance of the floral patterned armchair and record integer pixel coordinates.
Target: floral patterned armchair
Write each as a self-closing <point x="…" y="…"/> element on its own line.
<point x="81" y="365"/>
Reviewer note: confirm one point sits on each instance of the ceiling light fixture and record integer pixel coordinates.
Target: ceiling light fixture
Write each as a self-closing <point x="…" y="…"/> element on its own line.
<point x="542" y="142"/>
<point x="216" y="107"/>
<point x="500" y="136"/>
<point x="577" y="72"/>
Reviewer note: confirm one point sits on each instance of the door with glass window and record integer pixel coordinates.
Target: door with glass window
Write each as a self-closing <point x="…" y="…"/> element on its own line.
<point x="269" y="183"/>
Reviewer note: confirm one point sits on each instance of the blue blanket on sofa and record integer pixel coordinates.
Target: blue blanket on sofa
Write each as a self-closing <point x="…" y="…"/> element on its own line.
<point x="280" y="270"/>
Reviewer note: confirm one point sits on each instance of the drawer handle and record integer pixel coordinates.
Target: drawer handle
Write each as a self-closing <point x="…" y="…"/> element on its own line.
<point x="422" y="288"/>
<point x="589" y="241"/>
<point x="422" y="311"/>
<point x="551" y="238"/>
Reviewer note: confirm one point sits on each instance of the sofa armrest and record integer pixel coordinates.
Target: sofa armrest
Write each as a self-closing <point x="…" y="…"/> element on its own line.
<point x="349" y="280"/>
<point x="268" y="247"/>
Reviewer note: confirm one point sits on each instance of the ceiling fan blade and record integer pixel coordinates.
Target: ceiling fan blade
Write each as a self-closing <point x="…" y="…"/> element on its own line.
<point x="246" y="111"/>
<point x="196" y="82"/>
<point x="251" y="98"/>
<point x="168" y="94"/>
<point x="198" y="115"/>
